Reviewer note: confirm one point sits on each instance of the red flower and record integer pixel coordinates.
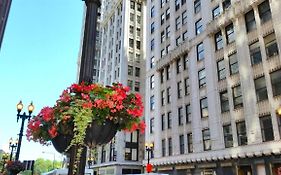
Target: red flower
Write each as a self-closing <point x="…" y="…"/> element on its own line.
<point x="47" y="114"/>
<point x="53" y="131"/>
<point x="87" y="105"/>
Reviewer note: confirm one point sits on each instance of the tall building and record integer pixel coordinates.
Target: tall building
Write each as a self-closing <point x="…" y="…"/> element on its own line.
<point x="122" y="60"/>
<point x="4" y="12"/>
<point x="213" y="84"/>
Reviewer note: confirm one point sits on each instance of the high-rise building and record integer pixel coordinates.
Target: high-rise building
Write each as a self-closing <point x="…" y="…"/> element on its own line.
<point x="122" y="60"/>
<point x="4" y="12"/>
<point x="213" y="84"/>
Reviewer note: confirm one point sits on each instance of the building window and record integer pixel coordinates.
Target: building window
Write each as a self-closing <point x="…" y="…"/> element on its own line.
<point x="178" y="22"/>
<point x="241" y="133"/>
<point x="139" y="7"/>
<point x="218" y="41"/>
<point x="185" y="62"/>
<point x="162" y="18"/>
<point x="113" y="152"/>
<point x="221" y="70"/>
<point x="255" y="53"/>
<point x="162" y="98"/>
<point x="163" y="53"/>
<point x="132" y="18"/>
<point x="138" y="45"/>
<point x="275" y="78"/>
<point x="224" y="101"/>
<point x="169" y="120"/>
<point x="237" y="97"/>
<point x="169" y="95"/>
<point x="167" y="13"/>
<point x="130" y="84"/>
<point x="137" y="71"/>
<point x="168" y="31"/>
<point x="181" y="138"/>
<point x="250" y="21"/>
<point x="206" y="139"/>
<point x="179" y="88"/>
<point x="216" y="12"/>
<point x="183" y="2"/>
<point x="186" y="86"/>
<point x="168" y="72"/>
<point x="228" y="138"/>
<point x="233" y="64"/>
<point x="187" y="113"/>
<point x="200" y="51"/>
<point x="202" y="78"/>
<point x="180" y="115"/>
<point x="170" y="146"/>
<point x="152" y="103"/>
<point x="178" y="40"/>
<point x="152" y="44"/>
<point x="197" y="6"/>
<point x="261" y="91"/>
<point x="226" y="4"/>
<point x="152" y="27"/>
<point x="131" y="43"/>
<point x="130" y="70"/>
<point x="264" y="11"/>
<point x="230" y="35"/>
<point x="198" y="26"/>
<point x="132" y="5"/>
<point x="152" y="82"/>
<point x="152" y="12"/>
<point x="178" y="65"/>
<point x="162" y="75"/>
<point x="204" y="107"/>
<point x="189" y="143"/>
<point x="163" y="148"/>
<point x="266" y="128"/>
<point x="184" y="17"/>
<point x="151" y="125"/>
<point x="163" y="122"/>
<point x="162" y="3"/>
<point x="177" y="5"/>
<point x="184" y="35"/>
<point x="137" y="86"/>
<point x="162" y="36"/>
<point x="271" y="46"/>
<point x="168" y="48"/>
<point x="103" y="154"/>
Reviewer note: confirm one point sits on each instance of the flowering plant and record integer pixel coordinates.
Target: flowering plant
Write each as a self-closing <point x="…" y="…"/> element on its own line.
<point x="15" y="166"/>
<point x="80" y="105"/>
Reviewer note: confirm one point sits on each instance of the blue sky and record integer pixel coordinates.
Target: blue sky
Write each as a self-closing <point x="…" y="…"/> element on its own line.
<point x="38" y="59"/>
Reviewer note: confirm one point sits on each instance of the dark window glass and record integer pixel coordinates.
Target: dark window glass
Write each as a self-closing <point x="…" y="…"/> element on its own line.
<point x="233" y="64"/>
<point x="204" y="107"/>
<point x="197" y="6"/>
<point x="198" y="27"/>
<point x="170" y="147"/>
<point x="163" y="125"/>
<point x="202" y="78"/>
<point x="187" y="113"/>
<point x="224" y="101"/>
<point x="226" y="4"/>
<point x="261" y="91"/>
<point x="255" y="53"/>
<point x="200" y="51"/>
<point x="250" y="21"/>
<point x="189" y="143"/>
<point x="221" y="70"/>
<point x="181" y="139"/>
<point x="237" y="97"/>
<point x="228" y="139"/>
<point x="169" y="119"/>
<point x="264" y="11"/>
<point x="180" y="116"/>
<point x="266" y="128"/>
<point x="275" y="78"/>
<point x="216" y="12"/>
<point x="271" y="46"/>
<point x="230" y="35"/>
<point x="163" y="148"/>
<point x="218" y="41"/>
<point x="241" y="133"/>
<point x="151" y="125"/>
<point x="206" y="139"/>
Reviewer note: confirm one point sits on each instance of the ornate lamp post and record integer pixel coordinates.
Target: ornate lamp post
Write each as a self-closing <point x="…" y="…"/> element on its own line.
<point x="23" y="117"/>
<point x="12" y="145"/>
<point x="149" y="149"/>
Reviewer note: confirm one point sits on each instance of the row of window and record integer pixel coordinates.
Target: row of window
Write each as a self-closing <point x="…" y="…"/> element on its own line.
<point x="266" y="132"/>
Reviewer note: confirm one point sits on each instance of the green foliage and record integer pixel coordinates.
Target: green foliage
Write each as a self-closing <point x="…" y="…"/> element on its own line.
<point x="43" y="166"/>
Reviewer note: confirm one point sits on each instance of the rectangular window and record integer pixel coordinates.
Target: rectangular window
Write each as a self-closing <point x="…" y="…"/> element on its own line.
<point x="167" y="13"/>
<point x="177" y="5"/>
<point x="204" y="107"/>
<point x="132" y="5"/>
<point x="202" y="78"/>
<point x="206" y="139"/>
<point x="152" y="103"/>
<point x="137" y="72"/>
<point x="218" y="41"/>
<point x="169" y="95"/>
<point x="163" y="148"/>
<point x="168" y="48"/>
<point x="178" y="65"/>
<point x="163" y="125"/>
<point x="131" y="43"/>
<point x="162" y="98"/>
<point x="167" y="31"/>
<point x="275" y="78"/>
<point x="162" y="3"/>
<point x="233" y="64"/>
<point x="183" y="2"/>
<point x="230" y="35"/>
<point x="185" y="62"/>
<point x="261" y="91"/>
<point x="237" y="97"/>
<point x="130" y="84"/>
<point x="197" y="6"/>
<point x="130" y="70"/>
<point x="241" y="133"/>
<point x="162" y="73"/>
<point x="168" y="72"/>
<point x="224" y="101"/>
<point x="178" y="40"/>
<point x="169" y="120"/>
<point x="152" y="44"/>
<point x="200" y="52"/>
<point x="152" y="82"/>
<point x="271" y="46"/>
<point x="184" y="35"/>
<point x="139" y="7"/>
<point x="152" y="62"/>
<point x="216" y="12"/>
<point x="255" y="53"/>
<point x="178" y="22"/>
<point x="162" y="36"/>
<point x="186" y="86"/>
<point x="264" y="11"/>
<point x="138" y="45"/>
<point x="221" y="70"/>
<point x="181" y="138"/>
<point x="226" y="4"/>
<point x="152" y="12"/>
<point x="189" y="143"/>
<point x="180" y="115"/>
<point x="162" y="18"/>
<point x="137" y="86"/>
<point x="179" y="88"/>
<point x="151" y="125"/>
<point x="228" y="138"/>
<point x="184" y="17"/>
<point x="152" y="27"/>
<point x="198" y="26"/>
<point x="266" y="128"/>
<point x="250" y="21"/>
<point x="187" y="113"/>
<point x="103" y="154"/>
<point x="132" y="18"/>
<point x="170" y="146"/>
<point x="163" y="53"/>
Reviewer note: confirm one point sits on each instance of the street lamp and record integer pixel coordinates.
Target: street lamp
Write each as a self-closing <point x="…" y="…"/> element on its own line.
<point x="12" y="144"/>
<point x="23" y="117"/>
<point x="149" y="149"/>
<point x="278" y="111"/>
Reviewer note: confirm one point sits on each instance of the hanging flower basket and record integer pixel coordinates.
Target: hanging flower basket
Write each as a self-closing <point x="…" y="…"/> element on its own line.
<point x="87" y="114"/>
<point x="14" y="167"/>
